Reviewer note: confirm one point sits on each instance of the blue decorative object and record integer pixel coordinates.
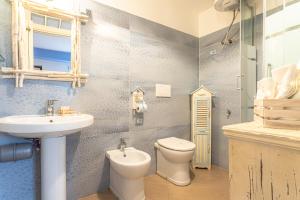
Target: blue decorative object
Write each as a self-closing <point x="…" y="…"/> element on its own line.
<point x="52" y="55"/>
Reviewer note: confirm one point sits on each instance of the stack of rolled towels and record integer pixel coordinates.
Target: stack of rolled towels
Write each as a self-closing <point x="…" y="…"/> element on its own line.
<point x="283" y="84"/>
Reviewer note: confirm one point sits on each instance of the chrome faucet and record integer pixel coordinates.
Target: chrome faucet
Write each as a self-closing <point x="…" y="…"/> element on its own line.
<point x="50" y="107"/>
<point x="123" y="145"/>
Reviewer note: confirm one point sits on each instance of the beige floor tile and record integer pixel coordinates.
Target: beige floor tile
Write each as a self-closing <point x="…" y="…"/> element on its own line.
<point x="107" y="195"/>
<point x="156" y="188"/>
<point x="206" y="185"/>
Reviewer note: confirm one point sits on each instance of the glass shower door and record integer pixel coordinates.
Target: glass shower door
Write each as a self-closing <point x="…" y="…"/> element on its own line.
<point x="250" y="61"/>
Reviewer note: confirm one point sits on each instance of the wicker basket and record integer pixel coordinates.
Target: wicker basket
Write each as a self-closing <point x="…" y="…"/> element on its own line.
<point x="278" y="113"/>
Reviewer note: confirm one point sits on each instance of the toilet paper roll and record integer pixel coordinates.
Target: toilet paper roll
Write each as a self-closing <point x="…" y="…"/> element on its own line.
<point x="142" y="107"/>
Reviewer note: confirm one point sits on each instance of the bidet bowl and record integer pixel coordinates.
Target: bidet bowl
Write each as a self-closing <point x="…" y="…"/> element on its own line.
<point x="134" y="165"/>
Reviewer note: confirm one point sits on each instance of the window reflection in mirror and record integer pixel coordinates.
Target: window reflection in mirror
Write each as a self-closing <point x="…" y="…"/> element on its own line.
<point x="282" y="32"/>
<point x="50" y="22"/>
<point x="51" y="52"/>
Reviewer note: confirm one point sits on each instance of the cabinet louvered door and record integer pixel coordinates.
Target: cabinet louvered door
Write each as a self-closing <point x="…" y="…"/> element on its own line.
<point x="201" y="127"/>
<point x="201" y="114"/>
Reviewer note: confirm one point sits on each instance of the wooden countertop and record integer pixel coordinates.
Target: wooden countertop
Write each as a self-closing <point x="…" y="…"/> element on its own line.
<point x="253" y="131"/>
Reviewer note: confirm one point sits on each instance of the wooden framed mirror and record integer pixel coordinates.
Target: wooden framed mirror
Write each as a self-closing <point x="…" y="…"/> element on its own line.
<point x="45" y="44"/>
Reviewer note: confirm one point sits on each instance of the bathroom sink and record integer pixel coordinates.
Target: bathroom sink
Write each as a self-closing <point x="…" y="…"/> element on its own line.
<point x="42" y="126"/>
<point x="52" y="131"/>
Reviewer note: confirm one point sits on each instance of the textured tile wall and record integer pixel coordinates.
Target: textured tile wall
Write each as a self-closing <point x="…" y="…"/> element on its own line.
<point x="218" y="69"/>
<point x="120" y="52"/>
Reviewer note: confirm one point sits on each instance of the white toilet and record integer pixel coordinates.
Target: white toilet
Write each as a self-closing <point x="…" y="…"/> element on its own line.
<point x="173" y="159"/>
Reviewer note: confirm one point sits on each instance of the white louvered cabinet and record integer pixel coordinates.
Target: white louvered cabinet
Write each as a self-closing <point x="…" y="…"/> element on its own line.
<point x="201" y="127"/>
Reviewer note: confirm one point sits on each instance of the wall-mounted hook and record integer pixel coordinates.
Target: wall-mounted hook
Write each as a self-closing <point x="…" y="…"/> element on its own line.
<point x="2" y="59"/>
<point x="228" y="113"/>
<point x="88" y="13"/>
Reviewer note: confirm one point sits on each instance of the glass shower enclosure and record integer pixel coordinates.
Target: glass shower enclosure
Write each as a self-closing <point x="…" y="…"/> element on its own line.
<point x="251" y="54"/>
<point x="270" y="32"/>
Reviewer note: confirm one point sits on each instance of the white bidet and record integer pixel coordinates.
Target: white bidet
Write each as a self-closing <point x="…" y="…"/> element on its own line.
<point x="127" y="171"/>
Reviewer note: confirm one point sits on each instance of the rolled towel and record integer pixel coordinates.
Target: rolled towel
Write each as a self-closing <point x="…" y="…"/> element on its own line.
<point x="266" y="89"/>
<point x="286" y="80"/>
<point x="279" y="74"/>
<point x="297" y="95"/>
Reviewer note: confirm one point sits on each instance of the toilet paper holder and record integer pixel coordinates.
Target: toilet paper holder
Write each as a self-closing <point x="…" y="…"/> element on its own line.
<point x="138" y="103"/>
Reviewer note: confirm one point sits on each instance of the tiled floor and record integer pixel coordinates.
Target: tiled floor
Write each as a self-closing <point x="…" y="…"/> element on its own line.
<point x="206" y="185"/>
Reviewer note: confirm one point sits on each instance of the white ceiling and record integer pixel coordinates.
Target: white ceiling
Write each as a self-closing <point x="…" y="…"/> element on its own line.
<point x="181" y="15"/>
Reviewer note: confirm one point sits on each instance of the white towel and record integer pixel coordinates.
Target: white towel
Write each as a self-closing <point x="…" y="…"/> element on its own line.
<point x="266" y="89"/>
<point x="286" y="80"/>
<point x="297" y="95"/>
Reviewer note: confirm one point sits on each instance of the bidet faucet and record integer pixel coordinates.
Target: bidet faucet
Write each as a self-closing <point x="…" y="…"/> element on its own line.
<point x="50" y="107"/>
<point x="123" y="145"/>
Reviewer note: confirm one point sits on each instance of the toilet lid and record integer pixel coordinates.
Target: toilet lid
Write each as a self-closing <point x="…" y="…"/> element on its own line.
<point x="176" y="144"/>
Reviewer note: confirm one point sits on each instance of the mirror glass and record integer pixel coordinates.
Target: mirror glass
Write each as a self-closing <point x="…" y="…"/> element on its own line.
<point x="51" y="52"/>
<point x="282" y="32"/>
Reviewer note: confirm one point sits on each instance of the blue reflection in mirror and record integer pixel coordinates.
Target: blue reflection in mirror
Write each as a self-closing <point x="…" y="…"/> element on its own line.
<point x="52" y="52"/>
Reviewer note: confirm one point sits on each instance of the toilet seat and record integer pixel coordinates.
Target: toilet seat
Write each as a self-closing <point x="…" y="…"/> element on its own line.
<point x="176" y="144"/>
<point x="173" y="159"/>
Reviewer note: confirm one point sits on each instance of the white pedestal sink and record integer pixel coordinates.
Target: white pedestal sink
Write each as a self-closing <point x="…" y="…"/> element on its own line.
<point x="52" y="130"/>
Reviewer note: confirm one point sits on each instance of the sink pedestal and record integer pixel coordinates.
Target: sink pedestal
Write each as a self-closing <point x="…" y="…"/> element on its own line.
<point x="53" y="131"/>
<point x="53" y="168"/>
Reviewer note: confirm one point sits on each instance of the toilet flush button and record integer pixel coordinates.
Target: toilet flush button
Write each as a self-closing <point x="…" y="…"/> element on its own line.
<point x="162" y="90"/>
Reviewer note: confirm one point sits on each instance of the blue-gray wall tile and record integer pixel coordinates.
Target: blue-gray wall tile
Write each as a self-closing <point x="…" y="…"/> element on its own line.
<point x="160" y="32"/>
<point x="114" y="48"/>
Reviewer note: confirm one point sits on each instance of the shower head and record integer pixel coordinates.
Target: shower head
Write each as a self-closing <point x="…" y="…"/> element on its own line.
<point x="226" y="5"/>
<point x="251" y="3"/>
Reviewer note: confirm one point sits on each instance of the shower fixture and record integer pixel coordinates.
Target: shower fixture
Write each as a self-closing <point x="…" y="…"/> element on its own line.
<point x="228" y="5"/>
